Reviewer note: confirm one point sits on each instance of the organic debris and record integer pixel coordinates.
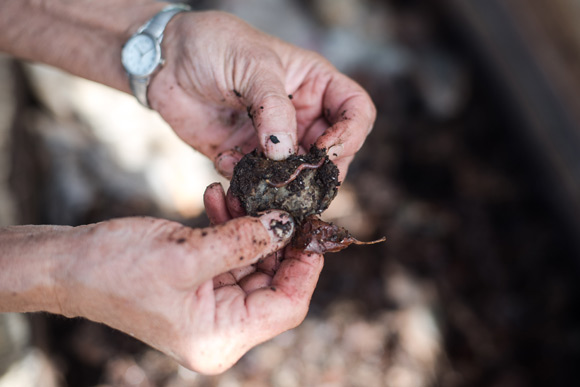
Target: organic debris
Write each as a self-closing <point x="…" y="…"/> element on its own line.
<point x="317" y="236"/>
<point x="303" y="186"/>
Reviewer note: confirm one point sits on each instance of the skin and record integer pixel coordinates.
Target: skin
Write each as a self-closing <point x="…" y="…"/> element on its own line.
<point x="207" y="101"/>
<point x="166" y="284"/>
<point x="218" y="71"/>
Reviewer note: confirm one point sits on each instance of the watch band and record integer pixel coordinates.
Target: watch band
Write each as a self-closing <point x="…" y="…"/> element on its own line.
<point x="155" y="28"/>
<point x="156" y="25"/>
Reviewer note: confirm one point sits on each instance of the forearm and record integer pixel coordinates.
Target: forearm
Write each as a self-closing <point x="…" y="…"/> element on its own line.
<point x="30" y="257"/>
<point x="82" y="37"/>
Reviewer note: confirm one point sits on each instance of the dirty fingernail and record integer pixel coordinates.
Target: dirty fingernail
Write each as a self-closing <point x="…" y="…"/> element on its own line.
<point x="279" y="225"/>
<point x="335" y="151"/>
<point x="225" y="164"/>
<point x="278" y="146"/>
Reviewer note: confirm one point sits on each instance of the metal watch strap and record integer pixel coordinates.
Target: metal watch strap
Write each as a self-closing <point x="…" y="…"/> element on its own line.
<point x="155" y="28"/>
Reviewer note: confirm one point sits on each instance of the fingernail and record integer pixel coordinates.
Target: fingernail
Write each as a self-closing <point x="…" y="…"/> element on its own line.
<point x="225" y="164"/>
<point x="279" y="224"/>
<point x="335" y="151"/>
<point x="278" y="146"/>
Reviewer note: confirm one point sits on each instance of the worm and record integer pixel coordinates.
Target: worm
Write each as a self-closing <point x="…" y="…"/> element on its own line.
<point x="296" y="173"/>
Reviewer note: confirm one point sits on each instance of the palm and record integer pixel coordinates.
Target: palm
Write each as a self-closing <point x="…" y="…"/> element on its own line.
<point x="251" y="305"/>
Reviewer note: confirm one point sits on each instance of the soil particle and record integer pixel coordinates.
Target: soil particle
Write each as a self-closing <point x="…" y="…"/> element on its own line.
<point x="181" y="240"/>
<point x="290" y="96"/>
<point x="237" y="93"/>
<point x="280" y="229"/>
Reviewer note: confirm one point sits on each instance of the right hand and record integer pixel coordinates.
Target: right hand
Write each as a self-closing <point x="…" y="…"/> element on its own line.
<point x="203" y="296"/>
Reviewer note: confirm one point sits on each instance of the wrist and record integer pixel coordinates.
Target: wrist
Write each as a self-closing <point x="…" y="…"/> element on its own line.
<point x="82" y="37"/>
<point x="166" y="73"/>
<point x="142" y="56"/>
<point x="32" y="258"/>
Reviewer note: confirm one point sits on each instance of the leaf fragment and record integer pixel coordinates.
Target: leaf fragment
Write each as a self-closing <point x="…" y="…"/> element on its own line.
<point x="317" y="236"/>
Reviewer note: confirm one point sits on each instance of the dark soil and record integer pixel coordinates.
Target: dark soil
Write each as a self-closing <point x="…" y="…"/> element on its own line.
<point x="262" y="184"/>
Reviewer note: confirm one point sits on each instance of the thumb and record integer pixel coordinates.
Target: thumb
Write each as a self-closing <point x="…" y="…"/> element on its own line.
<point x="242" y="241"/>
<point x="273" y="115"/>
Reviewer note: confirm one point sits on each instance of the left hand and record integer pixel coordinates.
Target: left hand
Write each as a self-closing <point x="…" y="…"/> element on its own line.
<point x="220" y="70"/>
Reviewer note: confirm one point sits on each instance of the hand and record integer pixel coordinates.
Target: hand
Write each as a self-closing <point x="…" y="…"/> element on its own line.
<point x="164" y="283"/>
<point x="220" y="70"/>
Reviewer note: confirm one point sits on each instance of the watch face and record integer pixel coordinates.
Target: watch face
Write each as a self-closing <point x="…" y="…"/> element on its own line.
<point x="140" y="55"/>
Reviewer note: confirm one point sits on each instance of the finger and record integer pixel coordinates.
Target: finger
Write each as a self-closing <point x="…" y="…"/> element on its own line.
<point x="335" y="153"/>
<point x="342" y="165"/>
<point x="284" y="304"/>
<point x="351" y="112"/>
<point x="240" y="242"/>
<point x="273" y="114"/>
<point x="224" y="279"/>
<point x="298" y="274"/>
<point x="234" y="277"/>
<point x="226" y="161"/>
<point x="217" y="212"/>
<point x="234" y="205"/>
<point x="313" y="132"/>
<point x="264" y="271"/>
<point x="252" y="276"/>
<point x="255" y="281"/>
<point x="214" y="201"/>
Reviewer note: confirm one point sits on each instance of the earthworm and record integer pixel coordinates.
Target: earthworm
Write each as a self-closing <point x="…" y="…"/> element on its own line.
<point x="295" y="174"/>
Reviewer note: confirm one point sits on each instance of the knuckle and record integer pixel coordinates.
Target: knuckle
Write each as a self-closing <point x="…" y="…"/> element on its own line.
<point x="256" y="60"/>
<point x="276" y="103"/>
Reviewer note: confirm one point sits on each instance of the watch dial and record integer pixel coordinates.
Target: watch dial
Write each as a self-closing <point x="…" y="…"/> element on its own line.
<point x="140" y="55"/>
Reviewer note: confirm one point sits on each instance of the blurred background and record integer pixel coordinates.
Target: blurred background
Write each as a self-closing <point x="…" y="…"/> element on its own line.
<point x="472" y="172"/>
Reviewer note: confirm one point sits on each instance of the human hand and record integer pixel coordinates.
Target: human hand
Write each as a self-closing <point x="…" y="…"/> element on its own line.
<point x="219" y="70"/>
<point x="164" y="283"/>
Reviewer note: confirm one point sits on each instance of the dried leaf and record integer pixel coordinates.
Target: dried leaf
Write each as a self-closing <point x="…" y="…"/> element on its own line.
<point x="317" y="236"/>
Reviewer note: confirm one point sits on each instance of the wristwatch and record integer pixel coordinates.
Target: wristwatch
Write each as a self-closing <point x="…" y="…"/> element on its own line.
<point x="141" y="55"/>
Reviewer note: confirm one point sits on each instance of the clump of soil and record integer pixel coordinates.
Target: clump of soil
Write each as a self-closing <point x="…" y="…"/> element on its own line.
<point x="301" y="185"/>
